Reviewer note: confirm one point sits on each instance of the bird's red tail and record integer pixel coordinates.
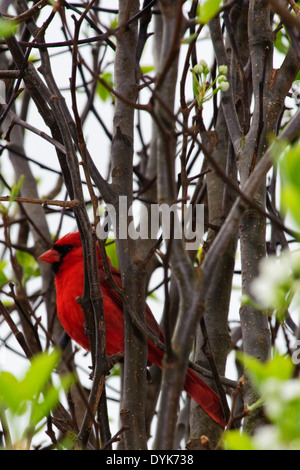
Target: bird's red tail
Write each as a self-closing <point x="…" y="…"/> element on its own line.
<point x="204" y="396"/>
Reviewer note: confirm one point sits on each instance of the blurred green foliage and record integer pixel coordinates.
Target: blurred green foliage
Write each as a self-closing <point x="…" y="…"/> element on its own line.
<point x="26" y="402"/>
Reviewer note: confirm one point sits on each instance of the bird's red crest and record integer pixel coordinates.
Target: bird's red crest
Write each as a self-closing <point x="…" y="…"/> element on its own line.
<point x="72" y="238"/>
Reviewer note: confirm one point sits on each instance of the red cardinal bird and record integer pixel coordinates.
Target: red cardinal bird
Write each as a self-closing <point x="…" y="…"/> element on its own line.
<point x="66" y="257"/>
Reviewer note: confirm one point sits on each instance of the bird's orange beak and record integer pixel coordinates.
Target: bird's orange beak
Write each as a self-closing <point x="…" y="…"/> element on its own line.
<point x="50" y="256"/>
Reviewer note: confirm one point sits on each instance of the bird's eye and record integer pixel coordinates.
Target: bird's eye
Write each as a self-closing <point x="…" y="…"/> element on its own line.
<point x="63" y="250"/>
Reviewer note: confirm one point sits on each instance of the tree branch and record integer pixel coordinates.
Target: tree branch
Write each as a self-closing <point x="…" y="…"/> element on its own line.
<point x="43" y="202"/>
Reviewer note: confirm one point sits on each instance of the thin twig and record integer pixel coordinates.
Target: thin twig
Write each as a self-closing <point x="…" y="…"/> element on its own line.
<point x="17" y="333"/>
<point x="28" y="13"/>
<point x="44" y="202"/>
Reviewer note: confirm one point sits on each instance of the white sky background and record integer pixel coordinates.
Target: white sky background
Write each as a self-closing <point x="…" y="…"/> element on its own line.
<point x="98" y="146"/>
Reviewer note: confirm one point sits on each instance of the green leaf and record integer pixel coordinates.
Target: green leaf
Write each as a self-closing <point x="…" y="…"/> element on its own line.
<point x="114" y="23"/>
<point x="280" y="367"/>
<point x="115" y="371"/>
<point x="102" y="90"/>
<point x="282" y="406"/>
<point x="29" y="265"/>
<point x="290" y="199"/>
<point x="289" y="164"/>
<point x="39" y="373"/>
<point x="32" y="398"/>
<point x="281" y="42"/>
<point x="3" y="277"/>
<point x="189" y="39"/>
<point x="67" y="443"/>
<point x="234" y="440"/>
<point x="3" y="209"/>
<point x="153" y="296"/>
<point x="7" y="28"/>
<point x="10" y="392"/>
<point x="111" y="251"/>
<point x="50" y="399"/>
<point x="280" y="394"/>
<point x="15" y="189"/>
<point x="147" y="68"/>
<point x="207" y="10"/>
